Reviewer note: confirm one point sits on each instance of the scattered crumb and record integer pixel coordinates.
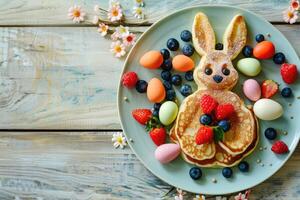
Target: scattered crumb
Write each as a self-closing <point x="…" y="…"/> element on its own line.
<point x="214" y="180"/>
<point x="292" y="117"/>
<point x="261" y="164"/>
<point x="298" y="97"/>
<point x="268" y="34"/>
<point x="258" y="160"/>
<point x="265" y="148"/>
<point x="125" y="98"/>
<point x="270" y="164"/>
<point x="290" y="104"/>
<point x="130" y="139"/>
<point x="260" y="148"/>
<point x="285" y="132"/>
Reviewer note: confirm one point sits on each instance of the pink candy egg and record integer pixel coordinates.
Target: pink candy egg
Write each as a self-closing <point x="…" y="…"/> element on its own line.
<point x="165" y="153"/>
<point x="252" y="89"/>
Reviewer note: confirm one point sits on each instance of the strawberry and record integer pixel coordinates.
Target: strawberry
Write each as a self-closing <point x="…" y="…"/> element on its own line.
<point x="205" y="135"/>
<point x="279" y="147"/>
<point x="129" y="79"/>
<point x="224" y="111"/>
<point x="158" y="135"/>
<point x="268" y="88"/>
<point x="142" y="115"/>
<point x="208" y="104"/>
<point x="288" y="73"/>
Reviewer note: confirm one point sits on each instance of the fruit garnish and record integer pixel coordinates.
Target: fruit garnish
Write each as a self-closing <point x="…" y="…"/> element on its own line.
<point x="227" y="172"/>
<point x="205" y="119"/>
<point x="173" y="44"/>
<point x="243" y="166"/>
<point x="205" y="135"/>
<point x="186" y="90"/>
<point x="289" y="73"/>
<point x="268" y="88"/>
<point x="142" y="116"/>
<point x="279" y="147"/>
<point x="259" y="37"/>
<point x="218" y="133"/>
<point x="158" y="135"/>
<point x="279" y="58"/>
<point x="141" y="86"/>
<point x="195" y="173"/>
<point x="208" y="104"/>
<point x="286" y="92"/>
<point x="186" y="36"/>
<point x="270" y="133"/>
<point x="129" y="79"/>
<point x="188" y="50"/>
<point x="224" y="124"/>
<point x="224" y="111"/>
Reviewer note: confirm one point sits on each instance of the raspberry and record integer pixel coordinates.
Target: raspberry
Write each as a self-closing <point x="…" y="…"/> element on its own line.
<point x="129" y="79"/>
<point x="208" y="104"/>
<point x="224" y="111"/>
<point x="279" y="147"/>
<point x="288" y="73"/>
<point x="205" y="135"/>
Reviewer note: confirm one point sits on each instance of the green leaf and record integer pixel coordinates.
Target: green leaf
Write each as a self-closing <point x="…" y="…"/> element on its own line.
<point x="218" y="134"/>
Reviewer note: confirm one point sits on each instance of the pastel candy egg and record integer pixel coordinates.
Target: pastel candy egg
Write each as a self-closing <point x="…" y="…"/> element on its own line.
<point x="264" y="50"/>
<point x="165" y="153"/>
<point x="267" y="109"/>
<point x="168" y="112"/>
<point x="249" y="66"/>
<point x="151" y="60"/>
<point x="156" y="92"/>
<point x="252" y="89"/>
<point x="182" y="63"/>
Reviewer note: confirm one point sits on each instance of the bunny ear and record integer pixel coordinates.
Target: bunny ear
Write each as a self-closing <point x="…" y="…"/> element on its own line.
<point x="203" y="34"/>
<point x="235" y="36"/>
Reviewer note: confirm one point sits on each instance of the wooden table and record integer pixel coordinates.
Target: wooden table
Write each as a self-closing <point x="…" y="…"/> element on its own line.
<point x="58" y="85"/>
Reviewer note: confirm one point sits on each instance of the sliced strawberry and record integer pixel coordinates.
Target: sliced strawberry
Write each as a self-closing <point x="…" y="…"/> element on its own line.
<point x="142" y="115"/>
<point x="268" y="88"/>
<point x="158" y="135"/>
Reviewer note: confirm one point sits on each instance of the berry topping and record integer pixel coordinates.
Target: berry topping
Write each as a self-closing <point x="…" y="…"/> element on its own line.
<point x="208" y="104"/>
<point x="268" y="88"/>
<point x="219" y="46"/>
<point x="165" y="53"/>
<point x="158" y="135"/>
<point x="155" y="113"/>
<point x="279" y="58"/>
<point x="176" y="79"/>
<point x="288" y="73"/>
<point x="189" y="76"/>
<point x="186" y="36"/>
<point x="186" y="90"/>
<point x="205" y="119"/>
<point x="247" y="51"/>
<point x="129" y="79"/>
<point x="205" y="135"/>
<point x="224" y="124"/>
<point x="168" y="85"/>
<point x="173" y="44"/>
<point x="243" y="166"/>
<point x="279" y="147"/>
<point x="142" y="115"/>
<point x="259" y="37"/>
<point x="156" y="106"/>
<point x="286" y="92"/>
<point x="224" y="111"/>
<point x="188" y="50"/>
<point x="171" y="95"/>
<point x="167" y="65"/>
<point x="270" y="133"/>
<point x="195" y="173"/>
<point x="227" y="172"/>
<point x="166" y="75"/>
<point x="141" y="86"/>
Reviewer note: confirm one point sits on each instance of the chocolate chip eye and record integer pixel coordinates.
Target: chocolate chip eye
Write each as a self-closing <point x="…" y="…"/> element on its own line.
<point x="225" y="71"/>
<point x="208" y="71"/>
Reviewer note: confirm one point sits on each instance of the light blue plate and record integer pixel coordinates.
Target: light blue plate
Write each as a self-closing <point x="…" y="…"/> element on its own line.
<point x="177" y="172"/>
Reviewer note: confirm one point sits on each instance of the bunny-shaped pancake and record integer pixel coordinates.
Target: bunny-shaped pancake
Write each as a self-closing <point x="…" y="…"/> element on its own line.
<point x="216" y="76"/>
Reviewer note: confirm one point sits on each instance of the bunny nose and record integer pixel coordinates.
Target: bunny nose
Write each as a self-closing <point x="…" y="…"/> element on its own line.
<point x="217" y="78"/>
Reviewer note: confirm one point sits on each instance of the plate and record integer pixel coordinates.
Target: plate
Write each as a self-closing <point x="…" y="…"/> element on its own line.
<point x="176" y="173"/>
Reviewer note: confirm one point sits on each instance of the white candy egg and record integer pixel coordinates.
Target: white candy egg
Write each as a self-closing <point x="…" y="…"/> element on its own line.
<point x="267" y="109"/>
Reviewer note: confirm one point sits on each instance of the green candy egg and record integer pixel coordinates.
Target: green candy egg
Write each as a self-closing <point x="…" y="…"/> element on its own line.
<point x="249" y="66"/>
<point x="168" y="112"/>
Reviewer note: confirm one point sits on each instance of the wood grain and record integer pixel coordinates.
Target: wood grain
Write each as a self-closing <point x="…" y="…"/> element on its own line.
<point x="64" y="78"/>
<point x="84" y="165"/>
<point x="54" y="12"/>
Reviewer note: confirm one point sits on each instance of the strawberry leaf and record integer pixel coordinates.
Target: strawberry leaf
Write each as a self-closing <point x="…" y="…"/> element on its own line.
<point x="218" y="134"/>
<point x="153" y="123"/>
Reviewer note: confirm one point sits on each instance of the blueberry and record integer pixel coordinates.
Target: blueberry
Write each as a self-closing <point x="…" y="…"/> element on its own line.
<point x="173" y="44"/>
<point x="176" y="79"/>
<point x="247" y="51"/>
<point x="243" y="166"/>
<point x="168" y="85"/>
<point x="141" y="86"/>
<point x="167" y="65"/>
<point x="171" y="95"/>
<point x="155" y="113"/>
<point x="286" y="92"/>
<point x="156" y="106"/>
<point x="270" y="133"/>
<point x="166" y="75"/>
<point x="195" y="173"/>
<point x="227" y="172"/>
<point x="219" y="46"/>
<point x="189" y="76"/>
<point x="186" y="90"/>
<point x="205" y="119"/>
<point x="259" y="37"/>
<point x="188" y="50"/>
<point x="186" y="36"/>
<point x="224" y="124"/>
<point x="279" y="58"/>
<point x="165" y="53"/>
<point x="217" y="78"/>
